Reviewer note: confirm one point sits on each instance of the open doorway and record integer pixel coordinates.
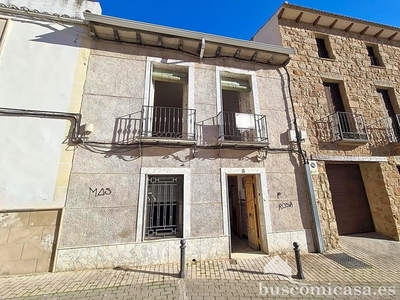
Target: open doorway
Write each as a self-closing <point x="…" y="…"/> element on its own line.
<point x="244" y="214"/>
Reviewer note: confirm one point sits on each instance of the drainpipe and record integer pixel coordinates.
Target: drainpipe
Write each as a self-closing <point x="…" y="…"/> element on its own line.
<point x="314" y="209"/>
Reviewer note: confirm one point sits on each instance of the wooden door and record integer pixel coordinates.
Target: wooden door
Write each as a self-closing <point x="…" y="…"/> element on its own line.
<point x="350" y="202"/>
<point x="252" y="215"/>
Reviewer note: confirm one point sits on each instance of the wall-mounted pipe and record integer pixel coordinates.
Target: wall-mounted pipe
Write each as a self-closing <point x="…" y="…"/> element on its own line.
<point x="310" y="188"/>
<point x="74" y="118"/>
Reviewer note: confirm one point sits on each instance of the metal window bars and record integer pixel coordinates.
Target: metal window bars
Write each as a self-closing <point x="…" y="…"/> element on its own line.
<point x="168" y="122"/>
<point x="164" y="207"/>
<point x="242" y="127"/>
<point x="348" y="126"/>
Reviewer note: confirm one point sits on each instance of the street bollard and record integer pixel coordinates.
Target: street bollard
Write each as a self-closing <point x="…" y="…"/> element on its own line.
<point x="182" y="272"/>
<point x="296" y="249"/>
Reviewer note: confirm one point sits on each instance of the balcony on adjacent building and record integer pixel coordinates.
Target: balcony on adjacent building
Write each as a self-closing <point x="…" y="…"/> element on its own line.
<point x="241" y="130"/>
<point x="344" y="128"/>
<point x="386" y="131"/>
<point x="168" y="125"/>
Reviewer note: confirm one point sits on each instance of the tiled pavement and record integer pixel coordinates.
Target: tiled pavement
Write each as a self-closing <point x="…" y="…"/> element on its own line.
<point x="224" y="279"/>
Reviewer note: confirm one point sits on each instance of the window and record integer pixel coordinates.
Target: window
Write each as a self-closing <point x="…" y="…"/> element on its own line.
<point x="375" y="60"/>
<point x="322" y="48"/>
<point x="236" y="103"/>
<point x="391" y="120"/>
<point x="238" y="107"/>
<point x="168" y="112"/>
<point x="164" y="208"/>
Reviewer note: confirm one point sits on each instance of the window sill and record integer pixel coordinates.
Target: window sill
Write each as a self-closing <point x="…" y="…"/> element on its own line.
<point x="378" y="67"/>
<point x="327" y="59"/>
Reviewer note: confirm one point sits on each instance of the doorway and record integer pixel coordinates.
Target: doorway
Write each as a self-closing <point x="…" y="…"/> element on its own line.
<point x="244" y="214"/>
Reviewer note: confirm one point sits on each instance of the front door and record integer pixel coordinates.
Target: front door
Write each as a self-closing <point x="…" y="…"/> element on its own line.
<point x="252" y="212"/>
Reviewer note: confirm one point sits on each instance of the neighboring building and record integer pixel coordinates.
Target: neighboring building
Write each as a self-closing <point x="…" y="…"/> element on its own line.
<point x="176" y="146"/>
<point x="43" y="60"/>
<point x="345" y="86"/>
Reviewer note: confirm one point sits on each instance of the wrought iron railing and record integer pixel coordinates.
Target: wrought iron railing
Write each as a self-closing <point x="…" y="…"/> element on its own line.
<point x="168" y="122"/>
<point x="242" y="127"/>
<point x="386" y="130"/>
<point x="348" y="126"/>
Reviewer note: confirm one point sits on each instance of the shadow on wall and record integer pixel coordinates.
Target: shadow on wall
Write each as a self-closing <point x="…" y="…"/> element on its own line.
<point x="126" y="128"/>
<point x="68" y="36"/>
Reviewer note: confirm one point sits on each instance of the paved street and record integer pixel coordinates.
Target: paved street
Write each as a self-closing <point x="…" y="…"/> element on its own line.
<point x="374" y="275"/>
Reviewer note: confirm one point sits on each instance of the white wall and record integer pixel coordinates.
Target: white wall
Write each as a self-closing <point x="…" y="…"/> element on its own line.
<point x="72" y="8"/>
<point x="37" y="69"/>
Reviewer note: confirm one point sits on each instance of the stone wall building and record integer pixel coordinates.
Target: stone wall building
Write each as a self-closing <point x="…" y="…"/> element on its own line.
<point x="185" y="136"/>
<point x="43" y="60"/>
<point x="345" y="83"/>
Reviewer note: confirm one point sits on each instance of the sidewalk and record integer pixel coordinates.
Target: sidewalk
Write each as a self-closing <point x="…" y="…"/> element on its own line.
<point x="221" y="278"/>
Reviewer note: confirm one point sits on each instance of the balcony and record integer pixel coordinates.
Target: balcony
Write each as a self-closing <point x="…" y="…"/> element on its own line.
<point x="386" y="131"/>
<point x="348" y="129"/>
<point x="241" y="130"/>
<point x="168" y="125"/>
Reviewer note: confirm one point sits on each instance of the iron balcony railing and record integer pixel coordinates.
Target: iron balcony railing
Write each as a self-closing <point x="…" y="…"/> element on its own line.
<point x="348" y="126"/>
<point x="242" y="127"/>
<point x="168" y="122"/>
<point x="389" y="129"/>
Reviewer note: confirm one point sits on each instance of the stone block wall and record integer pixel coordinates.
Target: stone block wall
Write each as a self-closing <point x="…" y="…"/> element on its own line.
<point x="27" y="241"/>
<point x="325" y="208"/>
<point x="350" y="67"/>
<point x="383" y="206"/>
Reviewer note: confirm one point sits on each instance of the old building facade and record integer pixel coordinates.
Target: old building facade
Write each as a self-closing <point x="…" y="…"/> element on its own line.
<point x="345" y="88"/>
<point x="43" y="59"/>
<point x="185" y="136"/>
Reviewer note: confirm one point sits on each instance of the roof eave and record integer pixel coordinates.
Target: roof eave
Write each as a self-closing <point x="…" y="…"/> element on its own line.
<point x="181" y="33"/>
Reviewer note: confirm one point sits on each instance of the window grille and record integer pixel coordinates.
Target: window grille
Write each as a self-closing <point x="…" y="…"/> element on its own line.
<point x="164" y="206"/>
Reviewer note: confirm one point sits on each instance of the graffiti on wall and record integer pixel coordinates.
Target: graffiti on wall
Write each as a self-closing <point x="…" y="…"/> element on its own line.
<point x="99" y="192"/>
<point x="284" y="205"/>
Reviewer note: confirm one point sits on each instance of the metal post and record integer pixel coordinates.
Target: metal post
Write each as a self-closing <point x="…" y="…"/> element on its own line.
<point x="296" y="249"/>
<point x="182" y="272"/>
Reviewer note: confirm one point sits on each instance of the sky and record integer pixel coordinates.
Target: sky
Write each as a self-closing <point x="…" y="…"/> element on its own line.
<point x="240" y="18"/>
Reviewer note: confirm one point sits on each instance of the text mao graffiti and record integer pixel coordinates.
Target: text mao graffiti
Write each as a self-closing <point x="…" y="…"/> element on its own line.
<point x="100" y="192"/>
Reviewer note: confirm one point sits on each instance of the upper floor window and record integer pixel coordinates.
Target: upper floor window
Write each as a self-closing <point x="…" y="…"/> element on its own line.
<point x="373" y="54"/>
<point x="238" y="118"/>
<point x="167" y="112"/>
<point x="323" y="51"/>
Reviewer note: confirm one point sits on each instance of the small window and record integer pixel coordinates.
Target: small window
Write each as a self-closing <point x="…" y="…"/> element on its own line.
<point x="164" y="208"/>
<point x="372" y="51"/>
<point x="322" y="48"/>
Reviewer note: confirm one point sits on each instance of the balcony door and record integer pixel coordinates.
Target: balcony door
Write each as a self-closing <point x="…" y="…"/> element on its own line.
<point x="237" y="118"/>
<point x="168" y="118"/>
<point x="340" y="122"/>
<point x="392" y="123"/>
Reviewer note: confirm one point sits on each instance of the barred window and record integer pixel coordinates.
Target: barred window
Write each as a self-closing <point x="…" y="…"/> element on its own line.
<point x="164" y="209"/>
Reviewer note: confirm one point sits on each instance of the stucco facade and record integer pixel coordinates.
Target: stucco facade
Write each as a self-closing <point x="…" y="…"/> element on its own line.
<point x="362" y="59"/>
<point x="43" y="66"/>
<point x="105" y="219"/>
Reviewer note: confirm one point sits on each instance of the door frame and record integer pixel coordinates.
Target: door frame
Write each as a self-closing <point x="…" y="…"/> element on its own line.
<point x="265" y="223"/>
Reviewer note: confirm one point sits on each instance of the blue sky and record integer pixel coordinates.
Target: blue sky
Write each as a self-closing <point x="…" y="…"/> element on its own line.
<point x="240" y="18"/>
